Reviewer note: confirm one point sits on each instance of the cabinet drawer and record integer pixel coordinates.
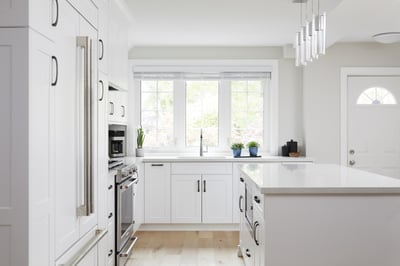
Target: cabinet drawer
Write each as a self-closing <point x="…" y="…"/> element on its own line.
<point x="201" y="168"/>
<point x="111" y="244"/>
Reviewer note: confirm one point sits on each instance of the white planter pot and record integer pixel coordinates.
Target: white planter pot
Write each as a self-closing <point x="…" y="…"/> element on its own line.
<point x="139" y="152"/>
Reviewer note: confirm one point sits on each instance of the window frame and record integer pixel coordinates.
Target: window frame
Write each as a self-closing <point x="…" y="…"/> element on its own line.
<point x="270" y="110"/>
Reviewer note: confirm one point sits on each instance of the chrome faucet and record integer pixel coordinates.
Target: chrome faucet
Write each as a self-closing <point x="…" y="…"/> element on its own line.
<point x="201" y="142"/>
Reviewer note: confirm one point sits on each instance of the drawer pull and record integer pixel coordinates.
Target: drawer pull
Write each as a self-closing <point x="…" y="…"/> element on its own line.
<point x="241" y="179"/>
<point x="110" y="187"/>
<point x="110" y="215"/>
<point x="256" y="225"/>
<point x="240" y="203"/>
<point x="257" y="199"/>
<point x="157" y="164"/>
<point x="248" y="254"/>
<point x="110" y="252"/>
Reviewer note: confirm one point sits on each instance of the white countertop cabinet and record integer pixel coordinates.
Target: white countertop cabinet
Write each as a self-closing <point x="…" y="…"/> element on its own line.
<point x="321" y="215"/>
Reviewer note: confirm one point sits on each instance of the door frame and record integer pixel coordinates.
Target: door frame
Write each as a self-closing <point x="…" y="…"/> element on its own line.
<point x="345" y="73"/>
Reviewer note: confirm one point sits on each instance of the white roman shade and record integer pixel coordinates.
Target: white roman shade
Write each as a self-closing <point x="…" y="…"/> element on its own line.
<point x="202" y="75"/>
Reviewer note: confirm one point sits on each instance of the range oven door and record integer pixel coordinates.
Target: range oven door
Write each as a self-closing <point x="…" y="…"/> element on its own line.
<point x="124" y="208"/>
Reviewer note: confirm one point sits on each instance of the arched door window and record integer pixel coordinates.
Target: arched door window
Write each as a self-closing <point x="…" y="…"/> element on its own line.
<point x="376" y="96"/>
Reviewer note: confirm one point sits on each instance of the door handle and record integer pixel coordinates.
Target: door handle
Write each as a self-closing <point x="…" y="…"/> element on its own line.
<point x="352" y="162"/>
<point x="198" y="185"/>
<point x="102" y="90"/>
<point x="256" y="225"/>
<point x="157" y="164"/>
<point x="102" y="49"/>
<point x="204" y="185"/>
<point x="240" y="203"/>
<point x="248" y="254"/>
<point x="54" y="24"/>
<point x="54" y="83"/>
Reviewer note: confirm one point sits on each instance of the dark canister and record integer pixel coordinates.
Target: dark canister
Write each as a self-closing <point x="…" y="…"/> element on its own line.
<point x="292" y="146"/>
<point x="285" y="150"/>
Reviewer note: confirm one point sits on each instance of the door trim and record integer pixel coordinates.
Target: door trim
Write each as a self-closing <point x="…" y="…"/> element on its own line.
<point x="345" y="73"/>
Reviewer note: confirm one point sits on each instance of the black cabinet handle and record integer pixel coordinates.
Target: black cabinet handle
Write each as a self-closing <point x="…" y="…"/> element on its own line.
<point x="110" y="215"/>
<point x="256" y="224"/>
<point x="110" y="252"/>
<point x="248" y="254"/>
<point x="240" y="203"/>
<point x="54" y="83"/>
<point x="54" y="24"/>
<point x="257" y="199"/>
<point x="110" y="187"/>
<point x="241" y="179"/>
<point x="102" y="49"/>
<point x="204" y="185"/>
<point x="102" y="90"/>
<point x="157" y="164"/>
<point x="198" y="185"/>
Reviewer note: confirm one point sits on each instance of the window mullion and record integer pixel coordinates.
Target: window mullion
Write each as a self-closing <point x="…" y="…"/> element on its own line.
<point x="179" y="113"/>
<point x="224" y="115"/>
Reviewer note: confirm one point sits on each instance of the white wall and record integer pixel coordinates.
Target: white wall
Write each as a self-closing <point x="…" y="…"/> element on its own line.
<point x="321" y="83"/>
<point x="290" y="80"/>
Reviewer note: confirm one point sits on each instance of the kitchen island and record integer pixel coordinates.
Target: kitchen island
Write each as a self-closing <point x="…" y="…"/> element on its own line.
<point x="322" y="215"/>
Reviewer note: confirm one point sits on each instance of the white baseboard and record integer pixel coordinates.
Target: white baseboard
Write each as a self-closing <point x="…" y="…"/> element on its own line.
<point x="189" y="227"/>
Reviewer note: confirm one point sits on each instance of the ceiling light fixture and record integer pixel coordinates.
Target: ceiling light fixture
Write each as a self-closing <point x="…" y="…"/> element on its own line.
<point x="310" y="40"/>
<point x="387" y="37"/>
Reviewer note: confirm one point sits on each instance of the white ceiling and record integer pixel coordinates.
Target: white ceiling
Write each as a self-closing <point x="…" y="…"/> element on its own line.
<point x="253" y="22"/>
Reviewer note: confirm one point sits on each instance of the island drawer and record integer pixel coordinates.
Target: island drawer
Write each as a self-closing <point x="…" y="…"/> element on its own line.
<point x="201" y="168"/>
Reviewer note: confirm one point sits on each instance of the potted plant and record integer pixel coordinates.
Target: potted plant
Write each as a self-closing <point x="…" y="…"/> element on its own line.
<point x="139" y="141"/>
<point x="253" y="148"/>
<point x="237" y="149"/>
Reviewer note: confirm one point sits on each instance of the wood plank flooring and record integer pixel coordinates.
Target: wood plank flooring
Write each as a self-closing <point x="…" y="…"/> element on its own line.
<point x="186" y="248"/>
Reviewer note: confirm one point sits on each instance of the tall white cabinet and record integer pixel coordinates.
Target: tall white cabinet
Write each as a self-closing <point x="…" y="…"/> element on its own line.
<point x="40" y="180"/>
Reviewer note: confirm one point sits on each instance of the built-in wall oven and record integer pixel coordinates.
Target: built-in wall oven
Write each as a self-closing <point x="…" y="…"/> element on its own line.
<point x="117" y="141"/>
<point x="125" y="184"/>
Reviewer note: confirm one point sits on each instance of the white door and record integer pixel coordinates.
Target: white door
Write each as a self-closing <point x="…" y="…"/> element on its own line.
<point x="374" y="124"/>
<point x="66" y="222"/>
<point x="186" y="198"/>
<point x="217" y="198"/>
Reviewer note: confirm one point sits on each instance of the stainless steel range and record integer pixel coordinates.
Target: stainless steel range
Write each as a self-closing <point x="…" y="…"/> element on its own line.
<point x="126" y="181"/>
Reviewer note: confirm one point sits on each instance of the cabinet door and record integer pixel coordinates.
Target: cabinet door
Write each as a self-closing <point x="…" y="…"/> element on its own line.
<point x="157" y="193"/>
<point x="67" y="222"/>
<point x="123" y="106"/>
<point x="139" y="197"/>
<point x="88" y="222"/>
<point x="42" y="84"/>
<point x="186" y="198"/>
<point x="103" y="36"/>
<point x="217" y="198"/>
<point x="102" y="149"/>
<point x="258" y="237"/>
<point x="44" y="16"/>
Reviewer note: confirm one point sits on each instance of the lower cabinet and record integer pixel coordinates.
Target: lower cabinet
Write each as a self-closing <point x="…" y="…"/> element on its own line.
<point x="157" y="193"/>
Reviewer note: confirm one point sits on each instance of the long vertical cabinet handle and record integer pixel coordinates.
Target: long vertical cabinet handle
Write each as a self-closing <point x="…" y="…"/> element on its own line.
<point x="204" y="185"/>
<point x="54" y="83"/>
<point x="198" y="185"/>
<point x="54" y="24"/>
<point x="86" y="208"/>
<point x="102" y="90"/>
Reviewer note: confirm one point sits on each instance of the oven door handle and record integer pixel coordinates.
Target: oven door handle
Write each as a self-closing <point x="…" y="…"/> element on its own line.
<point x="133" y="181"/>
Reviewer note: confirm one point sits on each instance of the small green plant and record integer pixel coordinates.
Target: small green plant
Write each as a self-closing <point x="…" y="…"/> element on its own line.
<point x="140" y="137"/>
<point x="237" y="146"/>
<point x="252" y="144"/>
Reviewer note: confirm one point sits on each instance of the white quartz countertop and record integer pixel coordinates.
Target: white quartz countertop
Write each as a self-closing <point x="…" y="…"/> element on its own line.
<point x="221" y="158"/>
<point x="277" y="178"/>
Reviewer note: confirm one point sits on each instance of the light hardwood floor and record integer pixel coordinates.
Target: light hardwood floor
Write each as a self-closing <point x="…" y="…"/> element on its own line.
<point x="186" y="248"/>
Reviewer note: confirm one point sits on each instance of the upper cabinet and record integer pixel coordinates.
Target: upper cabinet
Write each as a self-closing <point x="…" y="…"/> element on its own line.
<point x="103" y="52"/>
<point x="118" y="31"/>
<point x="117" y="107"/>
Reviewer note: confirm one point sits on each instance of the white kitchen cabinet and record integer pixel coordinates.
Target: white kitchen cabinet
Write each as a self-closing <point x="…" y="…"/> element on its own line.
<point x="103" y="36"/>
<point x="157" y="193"/>
<point x="186" y="198"/>
<point x="118" y="107"/>
<point x="217" y="199"/>
<point x="69" y="227"/>
<point x="88" y="9"/>
<point x="258" y="227"/>
<point x="201" y="193"/>
<point x="118" y="47"/>
<point x="139" y="197"/>
<point x="27" y="73"/>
